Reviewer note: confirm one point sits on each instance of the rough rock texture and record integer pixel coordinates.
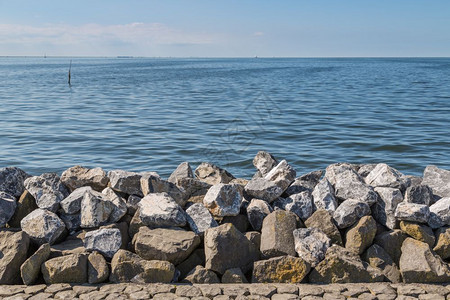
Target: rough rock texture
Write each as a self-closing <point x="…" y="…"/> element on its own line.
<point x="263" y="189"/>
<point x="78" y="176"/>
<point x="257" y="210"/>
<point x="172" y="245"/>
<point x="65" y="269"/>
<point x="95" y="209"/>
<point x="196" y="258"/>
<point x="201" y="275"/>
<point x="384" y="209"/>
<point x="391" y="241"/>
<point x="323" y="220"/>
<point x="47" y="189"/>
<point x="412" y="212"/>
<point x="160" y="210"/>
<point x="323" y="196"/>
<point x="25" y="205"/>
<point x="72" y="222"/>
<point x="234" y="275"/>
<point x="349" y="212"/>
<point x="212" y="174"/>
<point x="133" y="204"/>
<point x="193" y="188"/>
<point x="300" y="204"/>
<point x="440" y="213"/>
<point x="152" y="183"/>
<point x="420" y="194"/>
<point x="283" y="269"/>
<point x="361" y="235"/>
<point x="282" y="175"/>
<point x="378" y="258"/>
<point x="13" y="252"/>
<point x="419" y="232"/>
<point x="183" y="170"/>
<point x="305" y="182"/>
<point x="119" y="205"/>
<point x="385" y="176"/>
<point x="276" y="234"/>
<point x="442" y="247"/>
<point x="199" y="218"/>
<point x="43" y="226"/>
<point x="438" y="180"/>
<point x="106" y="241"/>
<point x="311" y="244"/>
<point x="7" y="207"/>
<point x="126" y="182"/>
<point x="264" y="162"/>
<point x="98" y="270"/>
<point x="12" y="180"/>
<point x="72" y="203"/>
<point x="30" y="269"/>
<point x="223" y="200"/>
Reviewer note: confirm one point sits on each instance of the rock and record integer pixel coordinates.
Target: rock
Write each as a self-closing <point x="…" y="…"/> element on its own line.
<point x="438" y="180"/>
<point x="65" y="269"/>
<point x="365" y="169"/>
<point x="43" y="226"/>
<point x="257" y="211"/>
<point x="160" y="210"/>
<point x="72" y="203"/>
<point x="25" y="205"/>
<point x="221" y="249"/>
<point x="152" y="183"/>
<point x="419" y="194"/>
<point x="30" y="269"/>
<point x="254" y="237"/>
<point x="106" y="241"/>
<point x="239" y="221"/>
<point x="126" y="182"/>
<point x="72" y="222"/>
<point x="199" y="218"/>
<point x="72" y="245"/>
<point x="323" y="220"/>
<point x="343" y="266"/>
<point x="234" y="275"/>
<point x="276" y="234"/>
<point x="385" y="176"/>
<point x="361" y="235"/>
<point x="262" y="189"/>
<point x="391" y="242"/>
<point x="200" y="275"/>
<point x="442" y="247"/>
<point x="119" y="205"/>
<point x="212" y="174"/>
<point x="127" y="266"/>
<point x="333" y="171"/>
<point x="323" y="196"/>
<point x="135" y="224"/>
<point x="123" y="228"/>
<point x="282" y="175"/>
<point x="378" y="258"/>
<point x="13" y="253"/>
<point x="349" y="212"/>
<point x="440" y="213"/>
<point x="223" y="200"/>
<point x="172" y="245"/>
<point x="419" y="232"/>
<point x="300" y="204"/>
<point x="12" y="181"/>
<point x="384" y="209"/>
<point x="349" y="185"/>
<point x="182" y="171"/>
<point x="193" y="188"/>
<point x="264" y="162"/>
<point x="412" y="212"/>
<point x="197" y="258"/>
<point x="311" y="244"/>
<point x="95" y="209"/>
<point x="98" y="270"/>
<point x="7" y="207"/>
<point x="419" y="264"/>
<point x="47" y="189"/>
<point x="133" y="204"/>
<point x="283" y="269"/>
<point x="305" y="182"/>
<point x="78" y="176"/>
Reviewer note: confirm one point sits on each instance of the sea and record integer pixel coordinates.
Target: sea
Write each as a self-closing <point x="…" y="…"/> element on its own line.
<point x="151" y="114"/>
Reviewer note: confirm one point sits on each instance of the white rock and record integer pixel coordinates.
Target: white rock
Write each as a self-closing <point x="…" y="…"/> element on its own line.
<point x="223" y="200"/>
<point x="440" y="213"/>
<point x="263" y="189"/>
<point x="257" y="210"/>
<point x="95" y="209"/>
<point x="72" y="203"/>
<point x="323" y="196"/>
<point x="43" y="226"/>
<point x="385" y="176"/>
<point x="283" y="175"/>
<point x="161" y="210"/>
<point x="300" y="204"/>
<point x="47" y="189"/>
<point x="106" y="241"/>
<point x="311" y="244"/>
<point x="120" y="206"/>
<point x="199" y="218"/>
<point x="349" y="212"/>
<point x="412" y="212"/>
<point x="384" y="210"/>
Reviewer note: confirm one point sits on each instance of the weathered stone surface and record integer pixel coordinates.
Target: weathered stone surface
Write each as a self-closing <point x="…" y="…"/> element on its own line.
<point x="43" y="226"/>
<point x="239" y="221"/>
<point x="311" y="244"/>
<point x="349" y="212"/>
<point x="333" y="171"/>
<point x="282" y="175"/>
<point x="420" y="194"/>
<point x="276" y="234"/>
<point x="391" y="242"/>
<point x="25" y="205"/>
<point x="419" y="264"/>
<point x="160" y="210"/>
<point x="378" y="258"/>
<point x="201" y="275"/>
<point x="98" y="270"/>
<point x="12" y="180"/>
<point x="47" y="189"/>
<point x="65" y="269"/>
<point x="95" y="209"/>
<point x="212" y="174"/>
<point x="106" y="241"/>
<point x="126" y="182"/>
<point x="283" y="269"/>
<point x="222" y="252"/>
<point x="341" y="266"/>
<point x="323" y="196"/>
<point x="300" y="204"/>
<point x="234" y="275"/>
<point x="323" y="220"/>
<point x="152" y="183"/>
<point x="365" y="169"/>
<point x="385" y="176"/>
<point x="78" y="176"/>
<point x="264" y="162"/>
<point x="223" y="200"/>
<point x="199" y="218"/>
<point x="412" y="212"/>
<point x="442" y="247"/>
<point x="257" y="211"/>
<point x="183" y="170"/>
<point x="419" y="232"/>
<point x="133" y="204"/>
<point x="263" y="189"/>
<point x="196" y="258"/>
<point x="361" y="235"/>
<point x="254" y="237"/>
<point x="172" y="245"/>
<point x="7" y="207"/>
<point x="349" y="185"/>
<point x="30" y="269"/>
<point x="305" y="182"/>
<point x="384" y="209"/>
<point x="193" y="188"/>
<point x="440" y="213"/>
<point x="119" y="205"/>
<point x="72" y="245"/>
<point x="72" y="203"/>
<point x="438" y="180"/>
<point x="13" y="252"/>
<point x="72" y="222"/>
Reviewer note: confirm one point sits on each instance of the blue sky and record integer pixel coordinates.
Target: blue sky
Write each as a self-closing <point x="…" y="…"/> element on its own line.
<point x="216" y="28"/>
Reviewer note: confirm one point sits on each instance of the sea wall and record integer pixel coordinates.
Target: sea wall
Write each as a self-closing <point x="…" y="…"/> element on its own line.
<point x="346" y="224"/>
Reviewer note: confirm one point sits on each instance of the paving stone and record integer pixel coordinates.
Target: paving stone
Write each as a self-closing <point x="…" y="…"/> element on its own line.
<point x="252" y="297"/>
<point x="69" y="294"/>
<point x="210" y="291"/>
<point x="20" y="296"/>
<point x="367" y="296"/>
<point x="333" y="296"/>
<point x="35" y="289"/>
<point x="410" y="290"/>
<point x="310" y="290"/>
<point x="286" y="288"/>
<point x="116" y="296"/>
<point x="95" y="295"/>
<point x="222" y="297"/>
<point x="165" y="296"/>
<point x="161" y="288"/>
<point x="9" y="290"/>
<point x="403" y="297"/>
<point x="431" y="297"/>
<point x="235" y="290"/>
<point x="355" y="290"/>
<point x="435" y="289"/>
<point x="84" y="289"/>
<point x="57" y="287"/>
<point x="113" y="288"/>
<point x="188" y="291"/>
<point x="41" y="296"/>
<point x="386" y="296"/>
<point x="265" y="290"/>
<point x="285" y="297"/>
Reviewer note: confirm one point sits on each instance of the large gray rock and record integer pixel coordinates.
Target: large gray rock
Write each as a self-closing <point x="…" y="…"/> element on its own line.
<point x="183" y="170"/>
<point x="420" y="194"/>
<point x="13" y="252"/>
<point x="323" y="196"/>
<point x="305" y="182"/>
<point x="72" y="203"/>
<point x="438" y="180"/>
<point x="412" y="212"/>
<point x="47" y="189"/>
<point x="95" y="209"/>
<point x="323" y="220"/>
<point x="349" y="212"/>
<point x="378" y="258"/>
<point x="257" y="210"/>
<point x="160" y="210"/>
<point x="385" y="176"/>
<point x="30" y="269"/>
<point x="25" y="205"/>
<point x="119" y="205"/>
<point x="440" y="213"/>
<point x="263" y="189"/>
<point x="152" y="183"/>
<point x="126" y="182"/>
<point x="199" y="218"/>
<point x="72" y="222"/>
<point x="7" y="207"/>
<point x="212" y="174"/>
<point x="300" y="204"/>
<point x="264" y="162"/>
<point x="333" y="171"/>
<point x="107" y="241"/>
<point x="282" y="175"/>
<point x="311" y="244"/>
<point x="98" y="270"/>
<point x="384" y="210"/>
<point x="349" y="185"/>
<point x="391" y="242"/>
<point x="283" y="269"/>
<point x="193" y="188"/>
<point x="133" y="204"/>
<point x="201" y="275"/>
<point x="276" y="234"/>
<point x="223" y="200"/>
<point x="43" y="226"/>
<point x="78" y="176"/>
<point x="65" y="269"/>
<point x="12" y="180"/>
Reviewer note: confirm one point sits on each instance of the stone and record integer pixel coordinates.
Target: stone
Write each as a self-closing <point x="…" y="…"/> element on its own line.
<point x="212" y="174"/>
<point x="72" y="245"/>
<point x="72" y="222"/>
<point x="419" y="232"/>
<point x="323" y="196"/>
<point x="183" y="170"/>
<point x="300" y="204"/>
<point x="413" y="212"/>
<point x="95" y="209"/>
<point x="7" y="207"/>
<point x="25" y="205"/>
<point x="257" y="211"/>
<point x="13" y="253"/>
<point x="442" y="247"/>
<point x="193" y="188"/>
<point x="349" y="212"/>
<point x="78" y="176"/>
<point x="305" y="182"/>
<point x="221" y="249"/>
<point x="123" y="228"/>
<point x="378" y="258"/>
<point x="199" y="218"/>
<point x="72" y="203"/>
<point x="133" y="204"/>
<point x="282" y="175"/>
<point x="173" y="245"/>
<point x="360" y="236"/>
<point x="234" y="275"/>
<point x="47" y="189"/>
<point x="383" y="210"/>
<point x="323" y="220"/>
<point x="385" y="176"/>
<point x="263" y="189"/>
<point x="43" y="226"/>
<point x="343" y="266"/>
<point x="391" y="241"/>
<point x="440" y="213"/>
<point x="152" y="183"/>
<point x="126" y="182"/>
<point x="264" y="162"/>
<point x="12" y="180"/>
<point x="276" y="234"/>
<point x="98" y="270"/>
<point x="239" y="221"/>
<point x="30" y="269"/>
<point x="119" y="205"/>
<point x="438" y="180"/>
<point x="420" y="194"/>
<point x="311" y="244"/>
<point x="65" y="269"/>
<point x="419" y="264"/>
<point x="349" y="185"/>
<point x="200" y="275"/>
<point x="365" y="169"/>
<point x="106" y="241"/>
<point x="160" y="210"/>
<point x="254" y="237"/>
<point x="283" y="269"/>
<point x="196" y="258"/>
<point x="223" y="200"/>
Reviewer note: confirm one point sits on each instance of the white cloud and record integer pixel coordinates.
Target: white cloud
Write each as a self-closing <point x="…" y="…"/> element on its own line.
<point x="258" y="33"/>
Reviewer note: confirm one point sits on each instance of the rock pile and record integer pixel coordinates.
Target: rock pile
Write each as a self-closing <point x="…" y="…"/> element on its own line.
<point x="346" y="224"/>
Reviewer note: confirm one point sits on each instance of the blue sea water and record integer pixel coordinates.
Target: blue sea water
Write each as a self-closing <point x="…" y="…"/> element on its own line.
<point x="150" y="114"/>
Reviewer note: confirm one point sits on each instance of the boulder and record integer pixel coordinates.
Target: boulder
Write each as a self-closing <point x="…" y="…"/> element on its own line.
<point x="254" y="237"/>
<point x="349" y="185"/>
<point x="413" y="212"/>
<point x="160" y="210"/>
<point x="276" y="234"/>
<point x="13" y="253"/>
<point x="442" y="247"/>
<point x="361" y="235"/>
<point x="257" y="211"/>
<point x="65" y="269"/>
<point x="182" y="171"/>
<point x="78" y="176"/>
<point x="173" y="245"/>
<point x="391" y="241"/>
<point x="123" y="228"/>
<point x="25" y="205"/>
<point x="119" y="205"/>
<point x="383" y="210"/>
<point x="212" y="174"/>
<point x="133" y="204"/>
<point x="7" y="207"/>
<point x="419" y="232"/>
<point x="196" y="258"/>
<point x="72" y="222"/>
<point x="264" y="162"/>
<point x="283" y="269"/>
<point x="333" y="171"/>
<point x="221" y="249"/>
<point x="365" y="169"/>
<point x="263" y="189"/>
<point x="43" y="226"/>
<point x="126" y="182"/>
<point x="107" y="241"/>
<point x="349" y="212"/>
<point x="31" y="268"/>
<point x="193" y="188"/>
<point x="300" y="204"/>
<point x="239" y="221"/>
<point x="323" y="220"/>
<point x="438" y="180"/>
<point x="199" y="218"/>
<point x="419" y="264"/>
<point x="223" y="200"/>
<point x="151" y="183"/>
<point x="47" y="189"/>
<point x="12" y="180"/>
<point x="311" y="244"/>
<point x="305" y="182"/>
<point x="323" y="196"/>
<point x="420" y="194"/>
<point x="95" y="209"/>
<point x="234" y="275"/>
<point x="72" y="245"/>
<point x="385" y="176"/>
<point x="282" y="175"/>
<point x="72" y="203"/>
<point x="98" y="270"/>
<point x="201" y="275"/>
<point x="440" y="213"/>
<point x="378" y="258"/>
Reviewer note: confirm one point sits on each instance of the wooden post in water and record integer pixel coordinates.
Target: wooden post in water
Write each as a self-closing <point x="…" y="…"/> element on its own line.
<point x="70" y="67"/>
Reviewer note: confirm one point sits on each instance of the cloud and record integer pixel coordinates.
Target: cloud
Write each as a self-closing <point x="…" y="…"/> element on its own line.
<point x="258" y="33"/>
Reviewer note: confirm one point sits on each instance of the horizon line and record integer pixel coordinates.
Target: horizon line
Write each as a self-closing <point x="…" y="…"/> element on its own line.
<point x="205" y="57"/>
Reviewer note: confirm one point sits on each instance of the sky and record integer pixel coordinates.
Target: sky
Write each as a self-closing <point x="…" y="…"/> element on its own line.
<point x="231" y="28"/>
